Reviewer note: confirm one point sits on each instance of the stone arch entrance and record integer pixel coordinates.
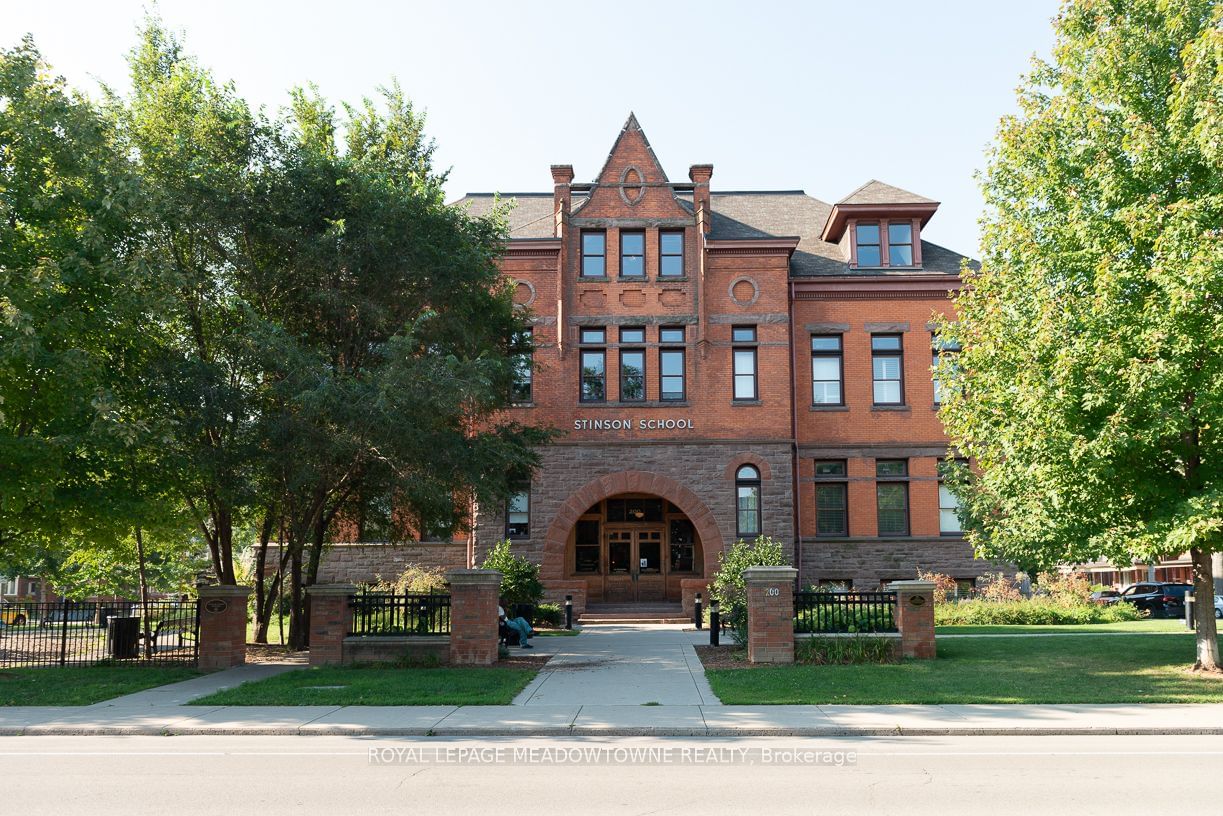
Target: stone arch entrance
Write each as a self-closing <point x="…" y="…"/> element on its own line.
<point x="679" y="501"/>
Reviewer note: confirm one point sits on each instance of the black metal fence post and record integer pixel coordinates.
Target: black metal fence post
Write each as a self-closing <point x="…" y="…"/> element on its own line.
<point x="696" y="613"/>
<point x="63" y="641"/>
<point x="568" y="611"/>
<point x="715" y="622"/>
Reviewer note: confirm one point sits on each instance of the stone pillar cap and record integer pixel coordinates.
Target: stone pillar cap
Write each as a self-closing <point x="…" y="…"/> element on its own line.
<point x="465" y="577"/>
<point x="221" y="590"/>
<point x="331" y="589"/>
<point x="770" y="574"/>
<point x="917" y="586"/>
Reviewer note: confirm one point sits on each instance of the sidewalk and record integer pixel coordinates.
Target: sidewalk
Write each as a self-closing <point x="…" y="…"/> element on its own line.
<point x="617" y="720"/>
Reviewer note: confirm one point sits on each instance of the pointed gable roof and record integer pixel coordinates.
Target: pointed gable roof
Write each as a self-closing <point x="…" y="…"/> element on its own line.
<point x="632" y="139"/>
<point x="632" y="183"/>
<point x="875" y="199"/>
<point x="876" y="192"/>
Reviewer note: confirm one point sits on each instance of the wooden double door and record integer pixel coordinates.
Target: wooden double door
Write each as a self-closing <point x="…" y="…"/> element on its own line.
<point x="635" y="565"/>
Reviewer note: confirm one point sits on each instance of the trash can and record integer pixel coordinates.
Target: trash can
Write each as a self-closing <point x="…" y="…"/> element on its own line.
<point x="123" y="638"/>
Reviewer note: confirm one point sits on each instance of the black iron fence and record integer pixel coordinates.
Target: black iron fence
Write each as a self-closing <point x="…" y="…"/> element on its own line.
<point x="388" y="613"/>
<point x="848" y="612"/>
<point x="81" y="633"/>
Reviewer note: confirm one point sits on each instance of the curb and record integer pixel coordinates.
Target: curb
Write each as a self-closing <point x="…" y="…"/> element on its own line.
<point x="588" y="731"/>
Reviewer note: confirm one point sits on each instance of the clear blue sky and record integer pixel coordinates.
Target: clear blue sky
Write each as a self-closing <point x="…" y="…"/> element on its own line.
<point x="815" y="95"/>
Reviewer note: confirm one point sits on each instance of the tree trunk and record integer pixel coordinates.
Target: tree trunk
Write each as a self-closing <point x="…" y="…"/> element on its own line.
<point x="144" y="593"/>
<point x="1204" y="604"/>
<point x="264" y="594"/>
<point x="299" y="622"/>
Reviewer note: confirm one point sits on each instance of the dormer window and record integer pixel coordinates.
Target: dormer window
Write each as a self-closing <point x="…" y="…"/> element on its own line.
<point x="883" y="243"/>
<point x="869" y="253"/>
<point x="900" y="243"/>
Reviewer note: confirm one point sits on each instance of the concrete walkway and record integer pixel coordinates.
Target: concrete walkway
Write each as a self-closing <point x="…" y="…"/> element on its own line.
<point x="621" y="665"/>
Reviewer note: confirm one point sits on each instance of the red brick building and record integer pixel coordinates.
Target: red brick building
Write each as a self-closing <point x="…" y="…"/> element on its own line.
<point x="726" y="364"/>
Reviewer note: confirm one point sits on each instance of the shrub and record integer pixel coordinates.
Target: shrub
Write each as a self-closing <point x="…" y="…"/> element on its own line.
<point x="727" y="586"/>
<point x="1069" y="587"/>
<point x="945" y="587"/>
<point x="998" y="587"/>
<point x="1034" y="612"/>
<point x="519" y="577"/>
<point x="415" y="579"/>
<point x="837" y="618"/>
<point x="549" y="614"/>
<point x="839" y="651"/>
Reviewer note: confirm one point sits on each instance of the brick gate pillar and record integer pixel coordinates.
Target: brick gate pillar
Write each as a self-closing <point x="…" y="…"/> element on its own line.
<point x="770" y="614"/>
<point x="330" y="616"/>
<point x="915" y="618"/>
<point x="473" y="616"/>
<point x="222" y="626"/>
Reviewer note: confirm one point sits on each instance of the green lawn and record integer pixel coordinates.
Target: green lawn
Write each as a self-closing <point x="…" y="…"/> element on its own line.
<point x="1162" y="625"/>
<point x="1069" y="669"/>
<point x="557" y="632"/>
<point x="82" y="685"/>
<point x="273" y="631"/>
<point x="380" y="685"/>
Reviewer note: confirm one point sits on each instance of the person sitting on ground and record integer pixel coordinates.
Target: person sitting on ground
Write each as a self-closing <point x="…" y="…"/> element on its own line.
<point x="518" y="625"/>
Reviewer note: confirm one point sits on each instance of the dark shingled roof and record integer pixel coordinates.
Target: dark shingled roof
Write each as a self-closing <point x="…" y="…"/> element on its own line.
<point x="876" y="192"/>
<point x="737" y="215"/>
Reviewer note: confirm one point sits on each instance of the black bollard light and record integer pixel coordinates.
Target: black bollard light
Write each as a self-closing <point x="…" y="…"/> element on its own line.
<point x="696" y="615"/>
<point x="568" y="611"/>
<point x="714" y="623"/>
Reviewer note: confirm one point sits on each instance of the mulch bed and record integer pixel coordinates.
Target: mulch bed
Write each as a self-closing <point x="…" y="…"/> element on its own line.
<point x="523" y="661"/>
<point x="723" y="657"/>
<point x="274" y="653"/>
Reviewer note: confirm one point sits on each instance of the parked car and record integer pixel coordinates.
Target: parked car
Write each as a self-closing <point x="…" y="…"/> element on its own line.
<point x="1160" y="599"/>
<point x="1104" y="597"/>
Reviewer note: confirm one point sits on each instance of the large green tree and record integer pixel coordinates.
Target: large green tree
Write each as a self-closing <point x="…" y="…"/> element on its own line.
<point x="1090" y="386"/>
<point x="75" y="313"/>
<point x="392" y="322"/>
<point x="197" y="149"/>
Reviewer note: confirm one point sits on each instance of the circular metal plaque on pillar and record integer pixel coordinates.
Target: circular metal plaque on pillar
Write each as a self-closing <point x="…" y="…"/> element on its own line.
<point x="216" y="605"/>
<point x="917" y="600"/>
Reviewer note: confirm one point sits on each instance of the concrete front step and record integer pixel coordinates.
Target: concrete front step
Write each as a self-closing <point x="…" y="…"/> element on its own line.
<point x="634" y="613"/>
<point x="587" y="620"/>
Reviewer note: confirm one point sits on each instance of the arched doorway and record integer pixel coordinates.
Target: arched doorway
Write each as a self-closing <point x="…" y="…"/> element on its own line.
<point x="633" y="547"/>
<point x="631" y="537"/>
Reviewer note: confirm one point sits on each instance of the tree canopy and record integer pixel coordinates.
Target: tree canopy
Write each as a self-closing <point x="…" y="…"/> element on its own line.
<point x="1090" y="386"/>
<point x="215" y="321"/>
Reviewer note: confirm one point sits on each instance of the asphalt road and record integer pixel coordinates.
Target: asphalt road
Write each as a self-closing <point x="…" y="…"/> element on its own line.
<point x="766" y="775"/>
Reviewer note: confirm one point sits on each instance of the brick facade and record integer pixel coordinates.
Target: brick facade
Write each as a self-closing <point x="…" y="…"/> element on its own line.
<point x="637" y="472"/>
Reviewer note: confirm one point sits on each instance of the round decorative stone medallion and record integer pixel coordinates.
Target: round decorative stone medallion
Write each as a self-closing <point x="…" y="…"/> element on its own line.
<point x="524" y="293"/>
<point x="744" y="291"/>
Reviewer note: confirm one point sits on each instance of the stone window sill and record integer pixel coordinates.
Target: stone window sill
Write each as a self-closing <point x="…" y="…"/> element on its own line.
<point x="902" y="408"/>
<point x="746" y="403"/>
<point x="828" y="407"/>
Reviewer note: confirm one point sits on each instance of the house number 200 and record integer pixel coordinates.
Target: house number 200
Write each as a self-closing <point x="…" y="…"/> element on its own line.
<point x="771" y="591"/>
